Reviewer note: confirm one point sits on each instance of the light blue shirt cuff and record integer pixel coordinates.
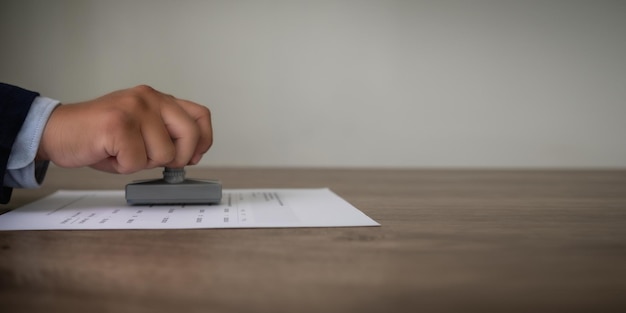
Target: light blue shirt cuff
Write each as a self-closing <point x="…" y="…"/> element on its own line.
<point x="22" y="169"/>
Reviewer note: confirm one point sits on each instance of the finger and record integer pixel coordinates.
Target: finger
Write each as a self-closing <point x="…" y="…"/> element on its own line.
<point x="128" y="151"/>
<point x="202" y="117"/>
<point x="206" y="139"/>
<point x="160" y="149"/>
<point x="183" y="131"/>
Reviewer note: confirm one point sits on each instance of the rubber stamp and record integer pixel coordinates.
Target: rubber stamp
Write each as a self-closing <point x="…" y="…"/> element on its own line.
<point x="174" y="188"/>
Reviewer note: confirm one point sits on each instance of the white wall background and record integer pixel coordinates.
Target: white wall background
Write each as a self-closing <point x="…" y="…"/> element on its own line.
<point x="350" y="83"/>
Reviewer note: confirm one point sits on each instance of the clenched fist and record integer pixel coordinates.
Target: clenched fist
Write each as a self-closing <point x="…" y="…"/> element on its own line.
<point x="127" y="131"/>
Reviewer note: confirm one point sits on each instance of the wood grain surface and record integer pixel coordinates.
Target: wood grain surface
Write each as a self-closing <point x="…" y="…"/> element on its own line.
<point x="450" y="241"/>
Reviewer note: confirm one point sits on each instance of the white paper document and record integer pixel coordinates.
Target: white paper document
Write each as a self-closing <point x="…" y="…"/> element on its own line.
<point x="240" y="208"/>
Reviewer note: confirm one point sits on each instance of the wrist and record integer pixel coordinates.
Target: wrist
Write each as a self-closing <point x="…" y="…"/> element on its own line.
<point x="47" y="136"/>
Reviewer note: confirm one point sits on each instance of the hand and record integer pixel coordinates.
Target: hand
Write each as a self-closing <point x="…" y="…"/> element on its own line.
<point x="127" y="131"/>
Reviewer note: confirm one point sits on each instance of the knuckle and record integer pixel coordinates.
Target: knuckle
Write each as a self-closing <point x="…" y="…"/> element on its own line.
<point x="169" y="97"/>
<point x="202" y="114"/>
<point x="134" y="102"/>
<point x="204" y="111"/>
<point x="143" y="89"/>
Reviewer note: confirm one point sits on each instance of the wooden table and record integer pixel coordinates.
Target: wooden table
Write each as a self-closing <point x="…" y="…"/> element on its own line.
<point x="450" y="241"/>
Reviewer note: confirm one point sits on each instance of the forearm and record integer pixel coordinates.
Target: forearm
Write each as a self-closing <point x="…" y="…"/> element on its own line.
<point x="22" y="169"/>
<point x="15" y="104"/>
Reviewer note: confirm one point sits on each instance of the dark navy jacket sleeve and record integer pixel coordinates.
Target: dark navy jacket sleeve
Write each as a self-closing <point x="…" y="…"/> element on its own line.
<point x="15" y="103"/>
